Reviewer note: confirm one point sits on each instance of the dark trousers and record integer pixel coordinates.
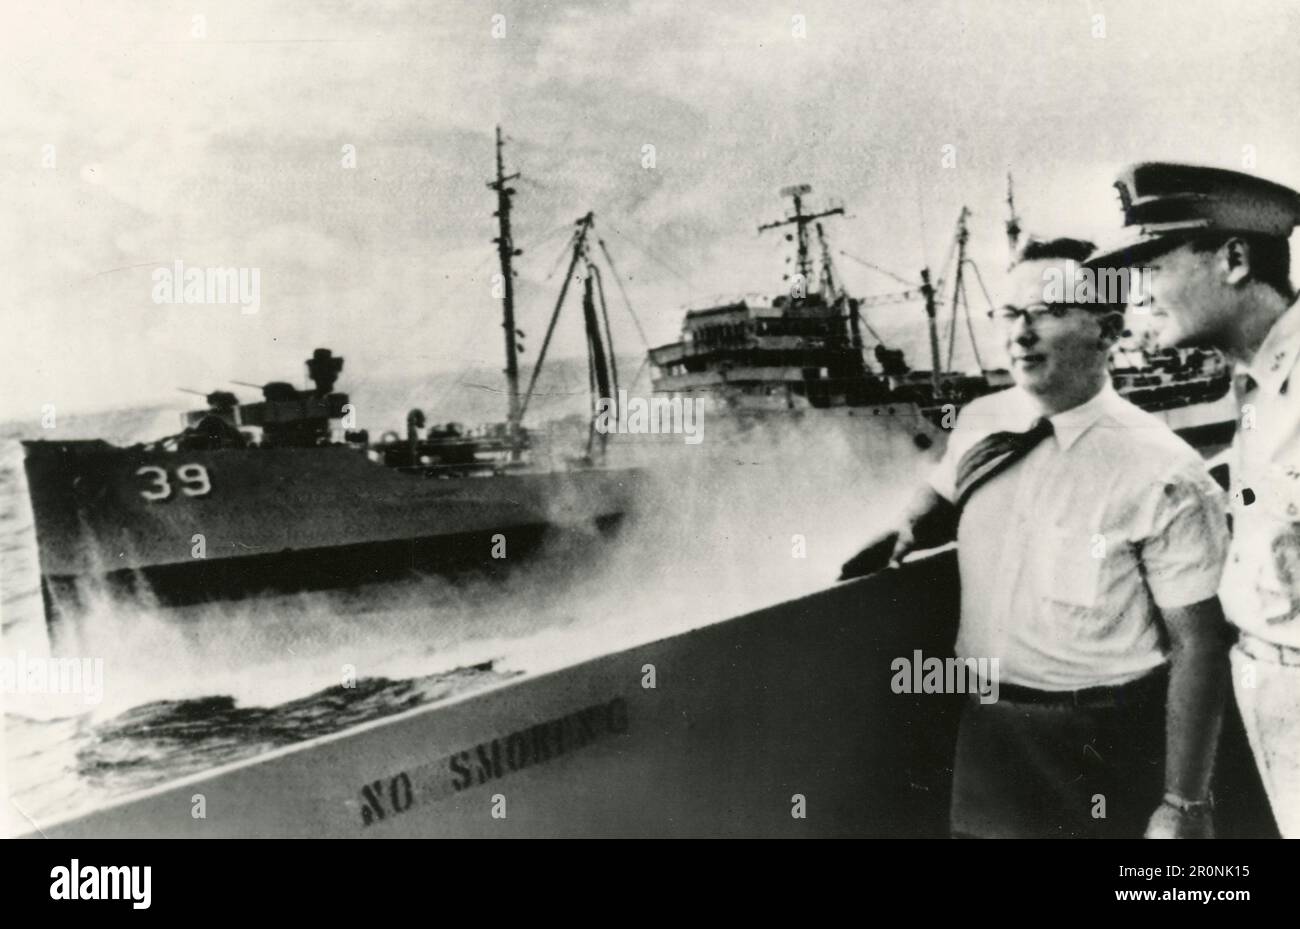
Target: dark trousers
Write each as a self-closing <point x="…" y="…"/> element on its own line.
<point x="1061" y="770"/>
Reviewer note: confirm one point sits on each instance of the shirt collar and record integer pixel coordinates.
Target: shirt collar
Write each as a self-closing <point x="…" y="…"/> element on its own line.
<point x="1277" y="354"/>
<point x="1069" y="425"/>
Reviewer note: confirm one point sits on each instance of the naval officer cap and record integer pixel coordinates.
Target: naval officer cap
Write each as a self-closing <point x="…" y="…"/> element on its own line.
<point x="1165" y="204"/>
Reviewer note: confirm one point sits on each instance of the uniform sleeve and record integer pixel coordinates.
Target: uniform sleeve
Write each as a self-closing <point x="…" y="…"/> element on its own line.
<point x="1183" y="531"/>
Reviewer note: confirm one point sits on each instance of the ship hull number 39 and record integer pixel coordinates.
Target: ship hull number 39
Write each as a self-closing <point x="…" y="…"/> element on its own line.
<point x="192" y="479"/>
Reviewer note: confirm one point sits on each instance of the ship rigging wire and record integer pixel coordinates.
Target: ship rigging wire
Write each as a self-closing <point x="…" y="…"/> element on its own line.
<point x="884" y="271"/>
<point x="559" y="259"/>
<point x="655" y="258"/>
<point x="979" y="279"/>
<point x="618" y="280"/>
<point x="874" y="334"/>
<point x="525" y="248"/>
<point x="970" y="329"/>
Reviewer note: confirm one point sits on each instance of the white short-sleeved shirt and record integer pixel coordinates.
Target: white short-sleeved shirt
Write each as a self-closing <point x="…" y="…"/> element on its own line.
<point x="1067" y="554"/>
<point x="1261" y="583"/>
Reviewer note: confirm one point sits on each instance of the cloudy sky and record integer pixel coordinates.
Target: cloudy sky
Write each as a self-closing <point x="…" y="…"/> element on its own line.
<point x="142" y="132"/>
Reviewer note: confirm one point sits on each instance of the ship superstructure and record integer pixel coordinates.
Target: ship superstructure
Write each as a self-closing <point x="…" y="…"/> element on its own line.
<point x="805" y="350"/>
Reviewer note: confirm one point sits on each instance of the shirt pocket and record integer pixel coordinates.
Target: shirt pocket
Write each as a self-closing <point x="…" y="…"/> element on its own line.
<point x="1070" y="566"/>
<point x="1272" y="538"/>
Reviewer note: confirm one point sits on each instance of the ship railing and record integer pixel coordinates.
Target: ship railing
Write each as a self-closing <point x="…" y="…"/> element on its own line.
<point x="466" y="469"/>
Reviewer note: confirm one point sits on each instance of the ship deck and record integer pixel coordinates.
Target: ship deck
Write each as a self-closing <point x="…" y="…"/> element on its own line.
<point x="750" y="722"/>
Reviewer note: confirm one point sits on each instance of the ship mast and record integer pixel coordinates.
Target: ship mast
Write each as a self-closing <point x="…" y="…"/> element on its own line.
<point x="601" y="366"/>
<point x="1013" y="221"/>
<point x="579" y="242"/>
<point x="958" y="287"/>
<point x="830" y="288"/>
<point x="598" y="364"/>
<point x="932" y="318"/>
<point x="506" y="252"/>
<point x="801" y="220"/>
<point x="929" y="291"/>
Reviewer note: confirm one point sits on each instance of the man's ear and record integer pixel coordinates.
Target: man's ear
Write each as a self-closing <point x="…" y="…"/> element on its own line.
<point x="1112" y="327"/>
<point x="1234" y="261"/>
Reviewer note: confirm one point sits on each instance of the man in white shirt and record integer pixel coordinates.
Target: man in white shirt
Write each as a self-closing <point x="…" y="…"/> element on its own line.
<point x="1214" y="246"/>
<point x="1090" y="542"/>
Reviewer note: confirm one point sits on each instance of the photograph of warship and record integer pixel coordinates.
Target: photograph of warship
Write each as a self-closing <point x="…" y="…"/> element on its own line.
<point x="638" y="753"/>
<point x="676" y="658"/>
<point x="802" y="353"/>
<point x="283" y="494"/>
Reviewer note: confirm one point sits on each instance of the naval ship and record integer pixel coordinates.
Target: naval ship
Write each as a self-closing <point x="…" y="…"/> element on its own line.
<point x="802" y="354"/>
<point x="285" y="494"/>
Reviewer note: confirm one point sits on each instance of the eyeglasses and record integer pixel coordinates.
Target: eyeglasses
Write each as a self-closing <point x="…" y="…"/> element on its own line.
<point x="1035" y="314"/>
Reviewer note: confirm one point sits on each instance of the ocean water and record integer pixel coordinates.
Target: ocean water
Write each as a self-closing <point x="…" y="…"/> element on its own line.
<point x="722" y="528"/>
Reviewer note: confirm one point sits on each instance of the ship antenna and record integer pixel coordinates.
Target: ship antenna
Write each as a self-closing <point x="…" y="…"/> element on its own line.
<point x="506" y="252"/>
<point x="800" y="220"/>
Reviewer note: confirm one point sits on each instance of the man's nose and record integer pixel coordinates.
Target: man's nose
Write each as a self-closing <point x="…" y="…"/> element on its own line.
<point x="1022" y="331"/>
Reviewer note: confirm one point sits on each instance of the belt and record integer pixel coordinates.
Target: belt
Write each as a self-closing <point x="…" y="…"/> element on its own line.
<point x="1263" y="650"/>
<point x="1129" y="694"/>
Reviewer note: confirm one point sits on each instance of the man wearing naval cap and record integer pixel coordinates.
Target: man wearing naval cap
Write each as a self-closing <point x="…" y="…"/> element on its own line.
<point x="1213" y="246"/>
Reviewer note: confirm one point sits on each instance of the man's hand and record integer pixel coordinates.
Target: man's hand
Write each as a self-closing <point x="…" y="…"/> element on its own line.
<point x="928" y="522"/>
<point x="904" y="544"/>
<point x="1169" y="822"/>
<point x="1199" y="681"/>
<point x="875" y="557"/>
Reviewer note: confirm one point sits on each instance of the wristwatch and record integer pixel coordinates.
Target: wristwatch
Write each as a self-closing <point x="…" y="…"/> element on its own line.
<point x="1189" y="807"/>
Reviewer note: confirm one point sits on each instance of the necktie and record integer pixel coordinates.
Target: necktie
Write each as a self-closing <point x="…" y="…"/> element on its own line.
<point x="993" y="454"/>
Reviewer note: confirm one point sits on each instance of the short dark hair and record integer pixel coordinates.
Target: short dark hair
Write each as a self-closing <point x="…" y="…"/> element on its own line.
<point x="1054" y="249"/>
<point x="1077" y="250"/>
<point x="1270" y="256"/>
